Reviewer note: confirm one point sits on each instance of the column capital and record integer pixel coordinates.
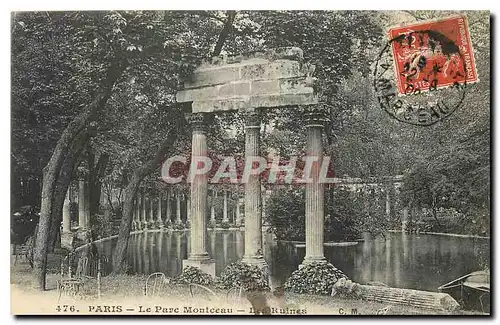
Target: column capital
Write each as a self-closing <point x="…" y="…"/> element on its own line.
<point x="315" y="115"/>
<point x="198" y="121"/>
<point x="252" y="119"/>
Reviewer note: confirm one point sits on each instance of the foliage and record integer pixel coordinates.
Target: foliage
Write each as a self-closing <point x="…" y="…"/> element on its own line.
<point x="239" y="274"/>
<point x="286" y="210"/>
<point x="314" y="278"/>
<point x="101" y="226"/>
<point x="191" y="274"/>
<point x="178" y="226"/>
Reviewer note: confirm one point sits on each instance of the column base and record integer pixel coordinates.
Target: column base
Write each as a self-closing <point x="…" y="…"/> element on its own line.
<point x="83" y="234"/>
<point x="255" y="260"/>
<point x="207" y="265"/>
<point x="313" y="259"/>
<point x="67" y="239"/>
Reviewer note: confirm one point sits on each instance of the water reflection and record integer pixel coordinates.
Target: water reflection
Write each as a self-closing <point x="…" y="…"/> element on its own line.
<point x="400" y="260"/>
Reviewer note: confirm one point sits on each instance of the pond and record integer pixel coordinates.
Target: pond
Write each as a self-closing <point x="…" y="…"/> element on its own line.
<point x="399" y="260"/>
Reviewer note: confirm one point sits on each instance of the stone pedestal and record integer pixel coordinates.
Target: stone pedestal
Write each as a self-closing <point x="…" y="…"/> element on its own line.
<point x="253" y="205"/>
<point x="67" y="239"/>
<point x="314" y="189"/>
<point x="198" y="255"/>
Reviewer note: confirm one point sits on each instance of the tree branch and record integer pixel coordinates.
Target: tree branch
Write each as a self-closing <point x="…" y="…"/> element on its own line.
<point x="226" y="30"/>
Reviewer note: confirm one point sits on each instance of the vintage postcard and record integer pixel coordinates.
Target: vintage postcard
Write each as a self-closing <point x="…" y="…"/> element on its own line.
<point x="245" y="163"/>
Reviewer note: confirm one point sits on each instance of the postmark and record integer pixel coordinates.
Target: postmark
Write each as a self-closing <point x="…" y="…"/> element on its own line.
<point x="423" y="72"/>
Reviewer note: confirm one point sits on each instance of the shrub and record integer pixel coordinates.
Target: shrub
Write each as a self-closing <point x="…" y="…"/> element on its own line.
<point x="168" y="224"/>
<point x="178" y="226"/>
<point x="192" y="274"/>
<point x="314" y="278"/>
<point x="249" y="277"/>
<point x="225" y="225"/>
<point x="212" y="224"/>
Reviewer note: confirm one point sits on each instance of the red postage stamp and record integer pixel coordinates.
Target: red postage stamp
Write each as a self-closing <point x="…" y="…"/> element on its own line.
<point x="432" y="54"/>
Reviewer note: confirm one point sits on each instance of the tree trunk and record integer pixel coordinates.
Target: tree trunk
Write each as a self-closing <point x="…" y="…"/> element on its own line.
<point x="119" y="254"/>
<point x="62" y="185"/>
<point x="96" y="173"/>
<point x="51" y="172"/>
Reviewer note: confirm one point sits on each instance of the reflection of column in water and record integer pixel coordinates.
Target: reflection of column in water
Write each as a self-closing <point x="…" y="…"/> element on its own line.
<point x="405" y="239"/>
<point x="413" y="248"/>
<point x="131" y="253"/>
<point x="239" y="244"/>
<point x="138" y="244"/>
<point x="178" y="255"/>
<point x="365" y="266"/>
<point x="379" y="244"/>
<point x="266" y="247"/>
<point x="145" y="254"/>
<point x="151" y="248"/>
<point x="397" y="263"/>
<point x="169" y="245"/>
<point x="159" y="246"/>
<point x="107" y="250"/>
<point x="212" y="243"/>
<point x="224" y="246"/>
<point x="388" y="266"/>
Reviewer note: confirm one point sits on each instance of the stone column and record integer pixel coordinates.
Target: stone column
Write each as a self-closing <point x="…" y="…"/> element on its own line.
<point x="81" y="205"/>
<point x="87" y="205"/>
<point x="237" y="220"/>
<point x="169" y="206"/>
<point x="151" y="221"/>
<point x="212" y="210"/>
<point x="314" y="189"/>
<point x="138" y="211"/>
<point x="253" y="205"/>
<point x="144" y="212"/>
<point x="198" y="255"/>
<point x="404" y="220"/>
<point x="159" y="216"/>
<point x="66" y="234"/>
<point x="225" y="217"/>
<point x="134" y="218"/>
<point x="188" y="210"/>
<point x="178" y="208"/>
<point x="387" y="202"/>
<point x="66" y="215"/>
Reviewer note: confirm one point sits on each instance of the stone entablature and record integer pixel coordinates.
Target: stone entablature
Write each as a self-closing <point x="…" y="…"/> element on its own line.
<point x="275" y="78"/>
